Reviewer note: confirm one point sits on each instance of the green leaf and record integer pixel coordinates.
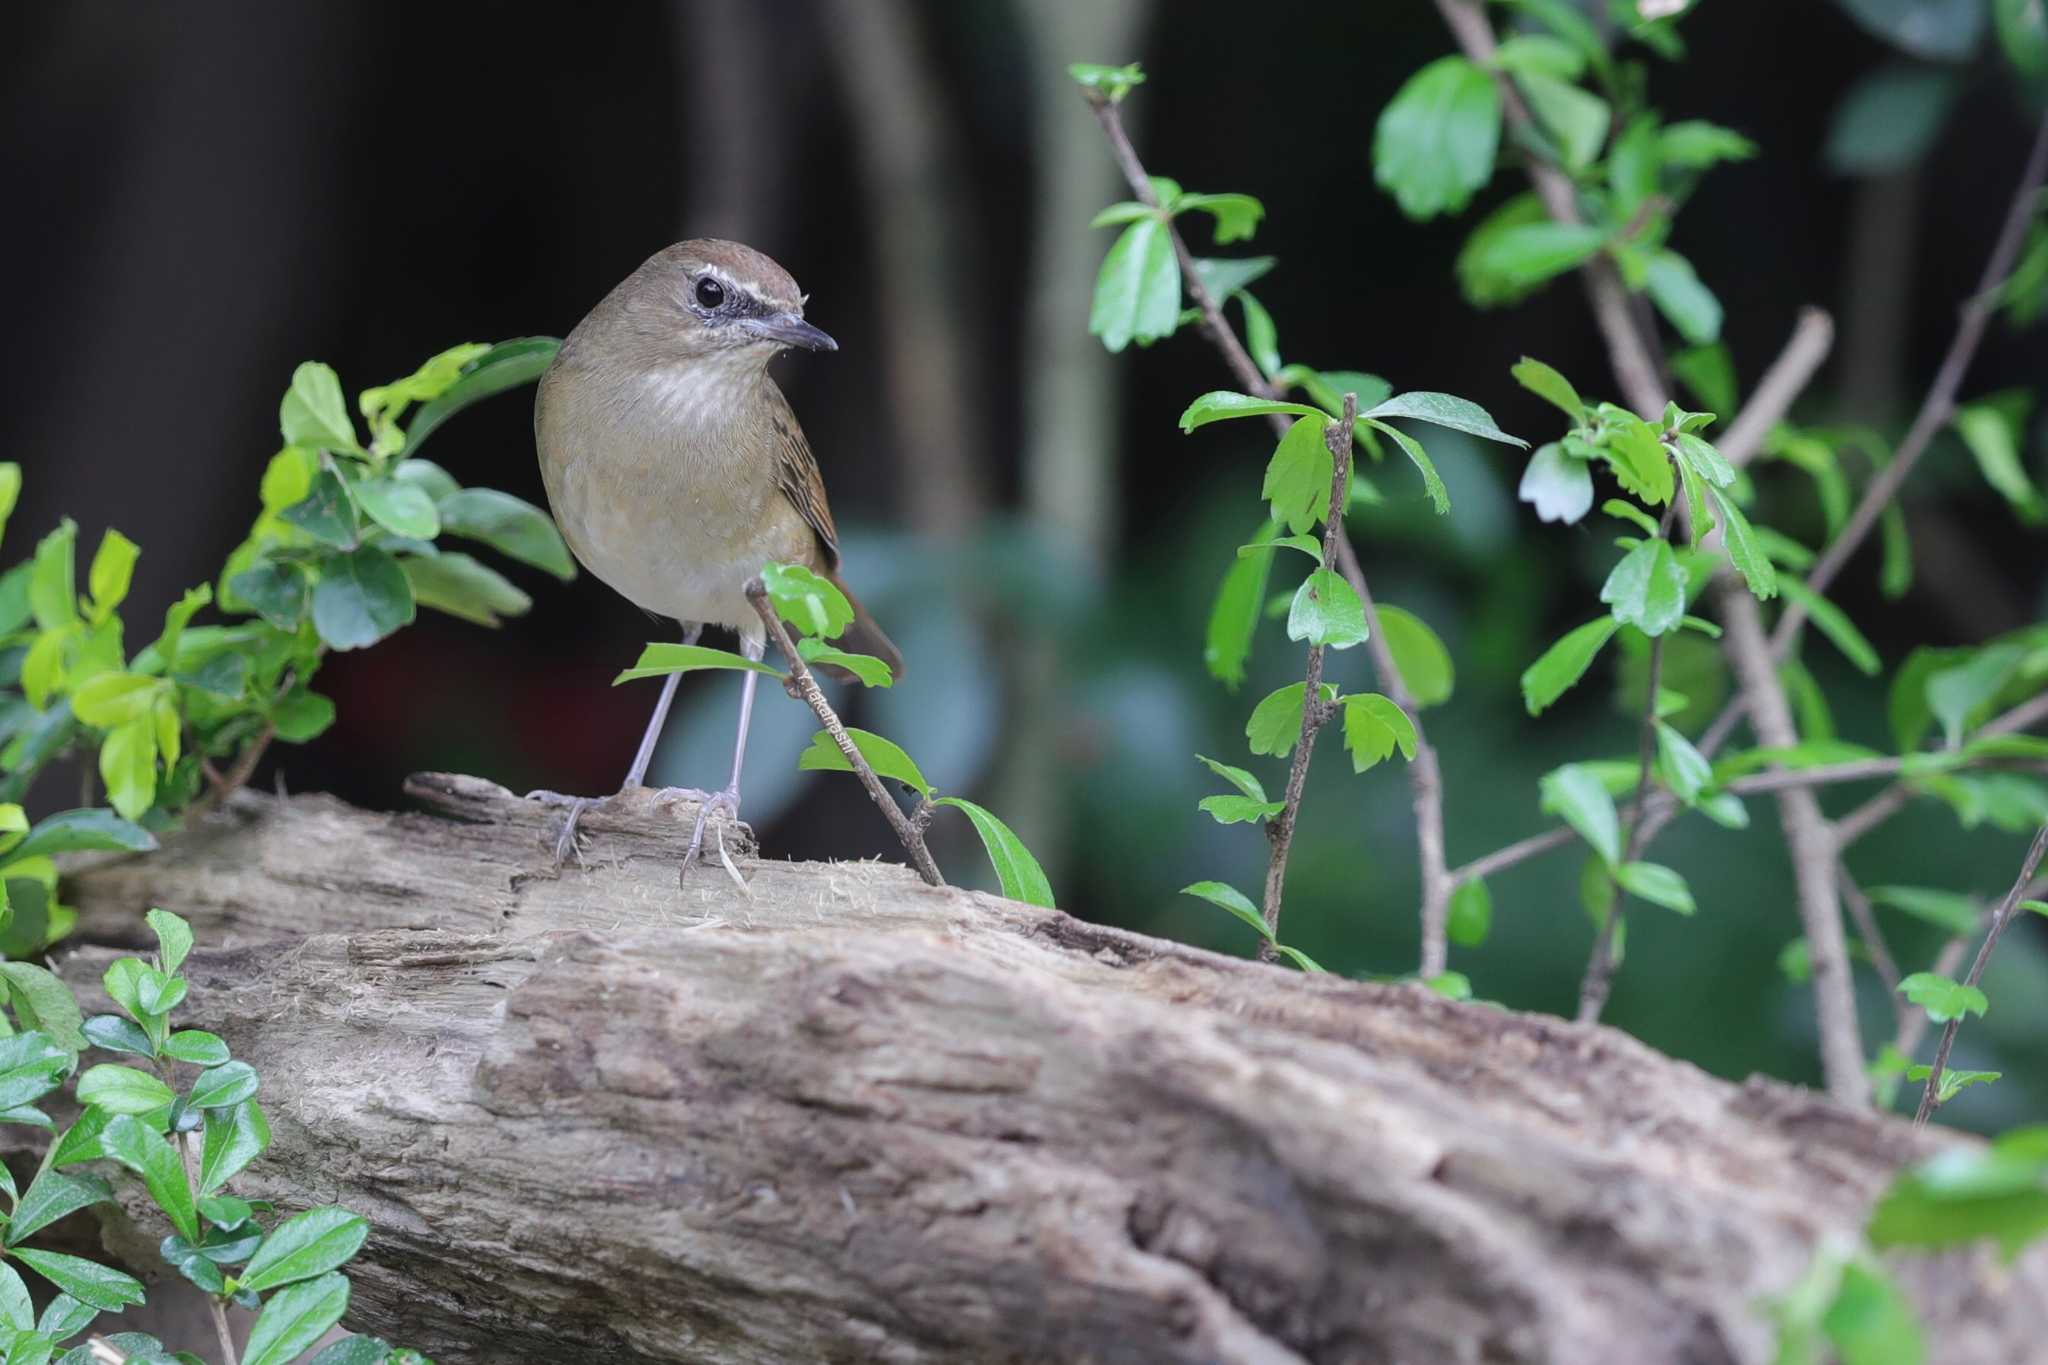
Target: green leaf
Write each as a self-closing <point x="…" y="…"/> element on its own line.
<point x="1128" y="211"/>
<point x="1695" y="144"/>
<point x="400" y="508"/>
<point x="1504" y="260"/>
<point x="1373" y="728"/>
<point x="44" y="1004"/>
<point x="362" y="597"/>
<point x="1435" y="143"/>
<point x="2022" y="32"/>
<point x="463" y="587"/>
<point x="1870" y="1322"/>
<point x="1439" y="496"/>
<point x="234" y="1138"/>
<point x="1744" y="551"/>
<point x="1221" y="404"/>
<point x="1637" y="456"/>
<point x="1299" y="958"/>
<point x="295" y="1319"/>
<point x="223" y="1086"/>
<point x="278" y="591"/>
<point x="194" y="1046"/>
<point x="1576" y="118"/>
<point x="173" y="938"/>
<point x="1989" y="433"/>
<point x="1635" y="168"/>
<point x="1954" y="1080"/>
<point x="1450" y="985"/>
<point x="327" y="513"/>
<point x="1234" y="616"/>
<point x="870" y="671"/>
<point x="52" y="1195"/>
<point x="1835" y="624"/>
<point x="1326" y="612"/>
<point x="1657" y="884"/>
<point x="1950" y="911"/>
<point x="16" y="1310"/>
<point x="1237" y="215"/>
<point x="1016" y="870"/>
<point x="114" y="699"/>
<point x="314" y="414"/>
<point x="1113" y="81"/>
<point x="10" y="491"/>
<point x="660" y="660"/>
<point x="506" y="365"/>
<point x="90" y="1283"/>
<point x="1328" y="387"/>
<point x="1564" y="663"/>
<point x="1223" y="277"/>
<point x="1236" y="777"/>
<point x="113" y="570"/>
<point x="1308" y="545"/>
<point x="1298" y="476"/>
<point x="436" y="482"/>
<point x="1238" y="810"/>
<point x="1552" y="387"/>
<point x="1890" y="118"/>
<point x="65" y="1316"/>
<point x="112" y="1033"/>
<point x="302" y="716"/>
<point x="884" y="756"/>
<point x="128" y="767"/>
<point x="1559" y="487"/>
<point x="1685" y="303"/>
<point x="1938" y="30"/>
<point x="1647" y="589"/>
<point x="1137" y="291"/>
<point x="511" y="526"/>
<point x="53" y="584"/>
<point x="1444" y="410"/>
<point x="1471" y="914"/>
<point x="1959" y="695"/>
<point x="144" y="1151"/>
<point x="1275" y="722"/>
<point x="1965" y="1194"/>
<point x="1233" y="900"/>
<point x="1684" y="768"/>
<point x="31" y="1066"/>
<point x="1541" y="53"/>
<point x="1942" y="998"/>
<point x="304" y="1245"/>
<point x="1575" y="794"/>
<point x="807" y="600"/>
<point x="1419" y="656"/>
<point x="122" y="1089"/>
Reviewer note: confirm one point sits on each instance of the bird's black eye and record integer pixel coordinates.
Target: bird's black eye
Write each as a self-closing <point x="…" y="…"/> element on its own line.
<point x="710" y="293"/>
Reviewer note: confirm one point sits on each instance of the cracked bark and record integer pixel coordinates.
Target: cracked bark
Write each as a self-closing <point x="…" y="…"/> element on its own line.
<point x="849" y="1117"/>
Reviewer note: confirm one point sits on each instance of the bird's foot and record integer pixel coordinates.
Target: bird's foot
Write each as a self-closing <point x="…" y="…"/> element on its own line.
<point x="726" y="804"/>
<point x="568" y="841"/>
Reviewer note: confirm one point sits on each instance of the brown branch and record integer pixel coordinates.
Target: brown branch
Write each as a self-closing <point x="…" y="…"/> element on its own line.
<point x="2006" y="909"/>
<point x="804" y="688"/>
<point x="1314" y="712"/>
<point x="1892" y="800"/>
<point x="1872" y="935"/>
<point x="1813" y="336"/>
<point x="225" y="785"/>
<point x="1425" y="775"/>
<point x="1939" y="404"/>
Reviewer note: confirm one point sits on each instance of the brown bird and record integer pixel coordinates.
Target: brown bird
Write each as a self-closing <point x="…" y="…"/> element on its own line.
<point x="676" y="469"/>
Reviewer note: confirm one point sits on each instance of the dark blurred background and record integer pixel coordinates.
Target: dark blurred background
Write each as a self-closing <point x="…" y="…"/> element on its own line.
<point x="200" y="196"/>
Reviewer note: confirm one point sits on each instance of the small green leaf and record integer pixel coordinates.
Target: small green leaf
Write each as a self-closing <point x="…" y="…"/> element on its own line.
<point x="1299" y="958"/>
<point x="113" y="570"/>
<point x="1237" y="215"/>
<point x="1019" y="874"/>
<point x="1576" y="118"/>
<point x="279" y="592"/>
<point x="114" y="1034"/>
<point x="193" y="1046"/>
<point x="1326" y="612"/>
<point x="223" y="1086"/>
<point x="1419" y="655"/>
<point x="122" y="1089"/>
<point x="1471" y="914"/>
<point x="1238" y="810"/>
<point x="660" y="660"/>
<point x="173" y="938"/>
<point x="1964" y="1194"/>
<point x="1444" y="410"/>
<point x="1942" y="998"/>
<point x="1236" y="777"/>
<point x="1114" y="82"/>
<point x="327" y="512"/>
<point x="1233" y="900"/>
<point x="128" y="767"/>
<point x="1575" y="794"/>
<point x="513" y="527"/>
<point x="1308" y="545"/>
<point x="1137" y="291"/>
<point x="1435" y="143"/>
<point x="52" y="1195"/>
<point x="1220" y="404"/>
<point x="145" y="1152"/>
<point x="1950" y="911"/>
<point x="1559" y="487"/>
<point x="87" y="1281"/>
<point x="1647" y="589"/>
<point x="362" y="597"/>
<point x="295" y="1319"/>
<point x="1564" y="663"/>
<point x="1275" y="723"/>
<point x="2022" y="31"/>
<point x="870" y="671"/>
<point x="807" y="600"/>
<point x="1432" y="483"/>
<point x="400" y="508"/>
<point x="1954" y="1080"/>
<point x="234" y="1138"/>
<point x="44" y="1004"/>
<point x="506" y="365"/>
<point x="1298" y="476"/>
<point x="1552" y="387"/>
<point x="1685" y="303"/>
<point x="1508" y="257"/>
<point x="64" y="1317"/>
<point x="1695" y="144"/>
<point x="1450" y="985"/>
<point x="1684" y="768"/>
<point x="314" y="414"/>
<point x="1116" y="215"/>
<point x="304" y="1245"/>
<point x="1234" y="616"/>
<point x="1374" y="727"/>
<point x="1744" y="551"/>
<point x="1657" y="884"/>
<point x="884" y="756"/>
<point x="464" y="587"/>
<point x="1993" y="438"/>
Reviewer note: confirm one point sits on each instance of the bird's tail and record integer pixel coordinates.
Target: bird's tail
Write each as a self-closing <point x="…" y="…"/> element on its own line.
<point x="864" y="637"/>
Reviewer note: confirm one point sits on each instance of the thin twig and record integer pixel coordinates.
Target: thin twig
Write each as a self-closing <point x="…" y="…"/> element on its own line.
<point x="226" y="785"/>
<point x="1813" y="336"/>
<point x="1315" y="713"/>
<point x="2006" y="909"/>
<point x="1892" y="800"/>
<point x="188" y="1150"/>
<point x="1425" y="775"/>
<point x="1872" y="935"/>
<point x="804" y="688"/>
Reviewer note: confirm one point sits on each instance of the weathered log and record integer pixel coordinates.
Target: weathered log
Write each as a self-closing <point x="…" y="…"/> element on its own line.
<point x="596" y="1116"/>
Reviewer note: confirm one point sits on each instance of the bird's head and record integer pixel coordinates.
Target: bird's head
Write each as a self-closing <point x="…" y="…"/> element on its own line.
<point x="710" y="300"/>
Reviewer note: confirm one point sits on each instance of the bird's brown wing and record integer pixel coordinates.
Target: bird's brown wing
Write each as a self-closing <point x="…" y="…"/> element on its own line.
<point x="796" y="473"/>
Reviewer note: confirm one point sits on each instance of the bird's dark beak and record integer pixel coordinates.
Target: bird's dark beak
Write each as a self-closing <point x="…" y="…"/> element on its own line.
<point x="787" y="329"/>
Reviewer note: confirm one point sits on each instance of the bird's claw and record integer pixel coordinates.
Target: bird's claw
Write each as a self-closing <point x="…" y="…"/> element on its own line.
<point x="566" y="841"/>
<point x="728" y="802"/>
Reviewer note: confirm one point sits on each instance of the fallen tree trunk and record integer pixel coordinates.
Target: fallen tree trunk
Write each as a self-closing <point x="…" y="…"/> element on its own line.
<point x="596" y="1117"/>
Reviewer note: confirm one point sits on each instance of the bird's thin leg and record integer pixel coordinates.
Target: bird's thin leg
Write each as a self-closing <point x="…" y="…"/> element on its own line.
<point x="565" y="842"/>
<point x="729" y="799"/>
